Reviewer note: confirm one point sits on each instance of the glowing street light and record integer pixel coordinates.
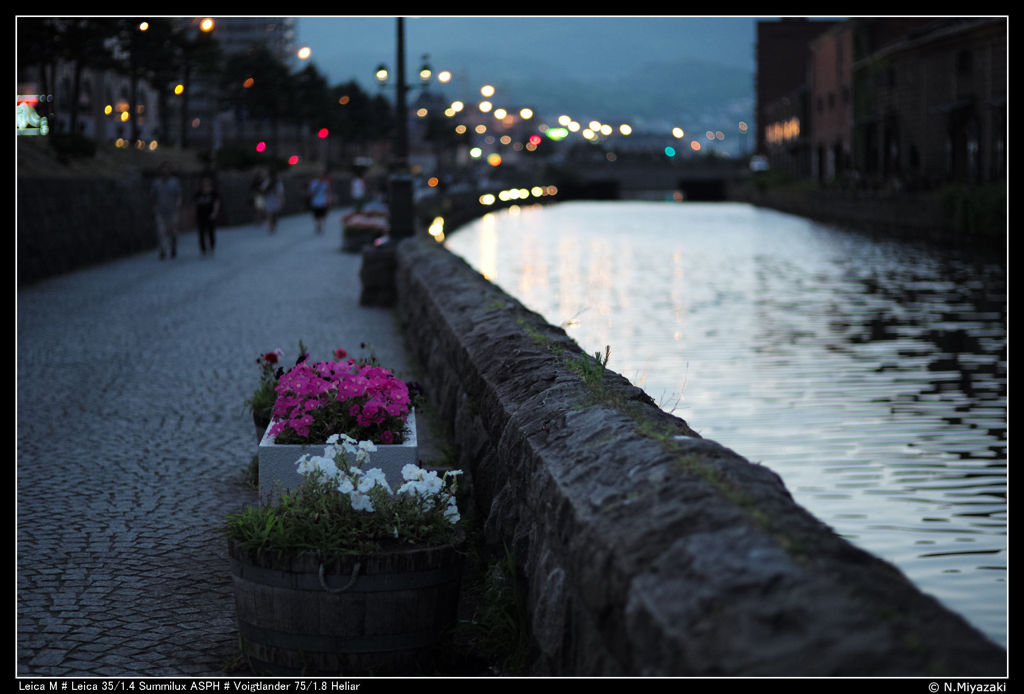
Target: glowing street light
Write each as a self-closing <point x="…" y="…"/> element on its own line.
<point x="206" y="24"/>
<point x="304" y="53"/>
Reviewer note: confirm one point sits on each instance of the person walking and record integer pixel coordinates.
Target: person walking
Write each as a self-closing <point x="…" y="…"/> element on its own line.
<point x="320" y="198"/>
<point x="207" y="201"/>
<point x="358" y="192"/>
<point x="258" y="200"/>
<point x="273" y="199"/>
<point x="166" y="197"/>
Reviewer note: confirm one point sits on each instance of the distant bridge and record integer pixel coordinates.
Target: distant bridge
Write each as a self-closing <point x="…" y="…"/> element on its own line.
<point x="706" y="180"/>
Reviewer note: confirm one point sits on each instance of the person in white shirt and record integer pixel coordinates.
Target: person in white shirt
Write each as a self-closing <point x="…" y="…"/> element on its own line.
<point x="166" y="195"/>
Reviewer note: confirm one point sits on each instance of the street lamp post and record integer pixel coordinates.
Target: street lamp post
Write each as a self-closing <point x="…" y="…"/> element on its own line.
<point x="400" y="196"/>
<point x="380" y="262"/>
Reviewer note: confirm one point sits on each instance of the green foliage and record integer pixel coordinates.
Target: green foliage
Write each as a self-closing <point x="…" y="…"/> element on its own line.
<point x="251" y="473"/>
<point x="317" y="517"/>
<point x="592" y="372"/>
<point x="502" y="617"/>
<point x="265" y="395"/>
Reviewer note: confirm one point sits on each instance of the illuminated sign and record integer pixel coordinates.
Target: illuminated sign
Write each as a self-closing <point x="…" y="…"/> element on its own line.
<point x="27" y="120"/>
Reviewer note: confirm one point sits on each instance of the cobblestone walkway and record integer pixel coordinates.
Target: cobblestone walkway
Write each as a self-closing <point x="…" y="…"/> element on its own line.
<point x="133" y="438"/>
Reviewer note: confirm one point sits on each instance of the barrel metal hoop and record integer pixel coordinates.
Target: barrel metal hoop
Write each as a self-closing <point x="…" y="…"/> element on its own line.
<point x="365" y="583"/>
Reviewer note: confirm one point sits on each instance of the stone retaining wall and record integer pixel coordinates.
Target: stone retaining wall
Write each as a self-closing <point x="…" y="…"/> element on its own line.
<point x="645" y="549"/>
<point x="967" y="218"/>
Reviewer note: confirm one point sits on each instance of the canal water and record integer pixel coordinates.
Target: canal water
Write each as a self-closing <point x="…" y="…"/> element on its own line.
<point x="869" y="374"/>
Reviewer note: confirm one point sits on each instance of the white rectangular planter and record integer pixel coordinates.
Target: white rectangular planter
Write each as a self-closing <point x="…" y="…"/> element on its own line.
<point x="277" y="461"/>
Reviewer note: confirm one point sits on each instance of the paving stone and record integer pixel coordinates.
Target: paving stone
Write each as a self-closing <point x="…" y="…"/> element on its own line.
<point x="48" y="657"/>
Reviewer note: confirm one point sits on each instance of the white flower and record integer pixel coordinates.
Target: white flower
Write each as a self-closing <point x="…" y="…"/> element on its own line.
<point x="365" y="449"/>
<point x="360" y="501"/>
<point x="374" y="477"/>
<point x="308" y="464"/>
<point x="431" y="483"/>
<point x="345" y="485"/>
<point x="451" y="512"/>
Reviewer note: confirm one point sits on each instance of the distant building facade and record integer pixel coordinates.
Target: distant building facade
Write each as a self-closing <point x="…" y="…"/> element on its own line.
<point x="238" y="34"/>
<point x="783" y="108"/>
<point x="831" y="102"/>
<point x="931" y="100"/>
<point x="901" y="102"/>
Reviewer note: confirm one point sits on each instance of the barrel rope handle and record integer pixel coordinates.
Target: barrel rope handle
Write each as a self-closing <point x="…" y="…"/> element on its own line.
<point x="351" y="581"/>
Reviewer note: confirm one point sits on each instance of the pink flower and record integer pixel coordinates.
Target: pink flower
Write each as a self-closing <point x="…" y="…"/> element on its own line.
<point x="370" y="397"/>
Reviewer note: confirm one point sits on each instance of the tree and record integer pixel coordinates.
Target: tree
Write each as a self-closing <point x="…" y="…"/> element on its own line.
<point x="150" y="54"/>
<point x="84" y="43"/>
<point x="201" y="56"/>
<point x="257" y="83"/>
<point x="311" y="97"/>
<point x="38" y="47"/>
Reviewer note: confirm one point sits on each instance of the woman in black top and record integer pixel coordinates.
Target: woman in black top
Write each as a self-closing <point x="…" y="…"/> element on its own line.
<point x="207" y="210"/>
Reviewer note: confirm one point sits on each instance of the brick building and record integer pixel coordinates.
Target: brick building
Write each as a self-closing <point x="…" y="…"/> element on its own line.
<point x="783" y="109"/>
<point x="831" y="101"/>
<point x="897" y="102"/>
<point x="930" y="100"/>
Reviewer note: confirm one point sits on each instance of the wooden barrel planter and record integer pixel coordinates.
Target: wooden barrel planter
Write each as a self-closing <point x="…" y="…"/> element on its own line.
<point x="369" y="614"/>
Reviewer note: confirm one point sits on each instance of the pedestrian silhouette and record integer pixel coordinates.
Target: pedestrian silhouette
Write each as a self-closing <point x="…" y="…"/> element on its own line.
<point x="320" y="198"/>
<point x="166" y="196"/>
<point x="207" y="201"/>
<point x="273" y="199"/>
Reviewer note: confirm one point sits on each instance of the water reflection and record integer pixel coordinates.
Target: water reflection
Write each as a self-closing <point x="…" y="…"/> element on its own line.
<point x="870" y="375"/>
